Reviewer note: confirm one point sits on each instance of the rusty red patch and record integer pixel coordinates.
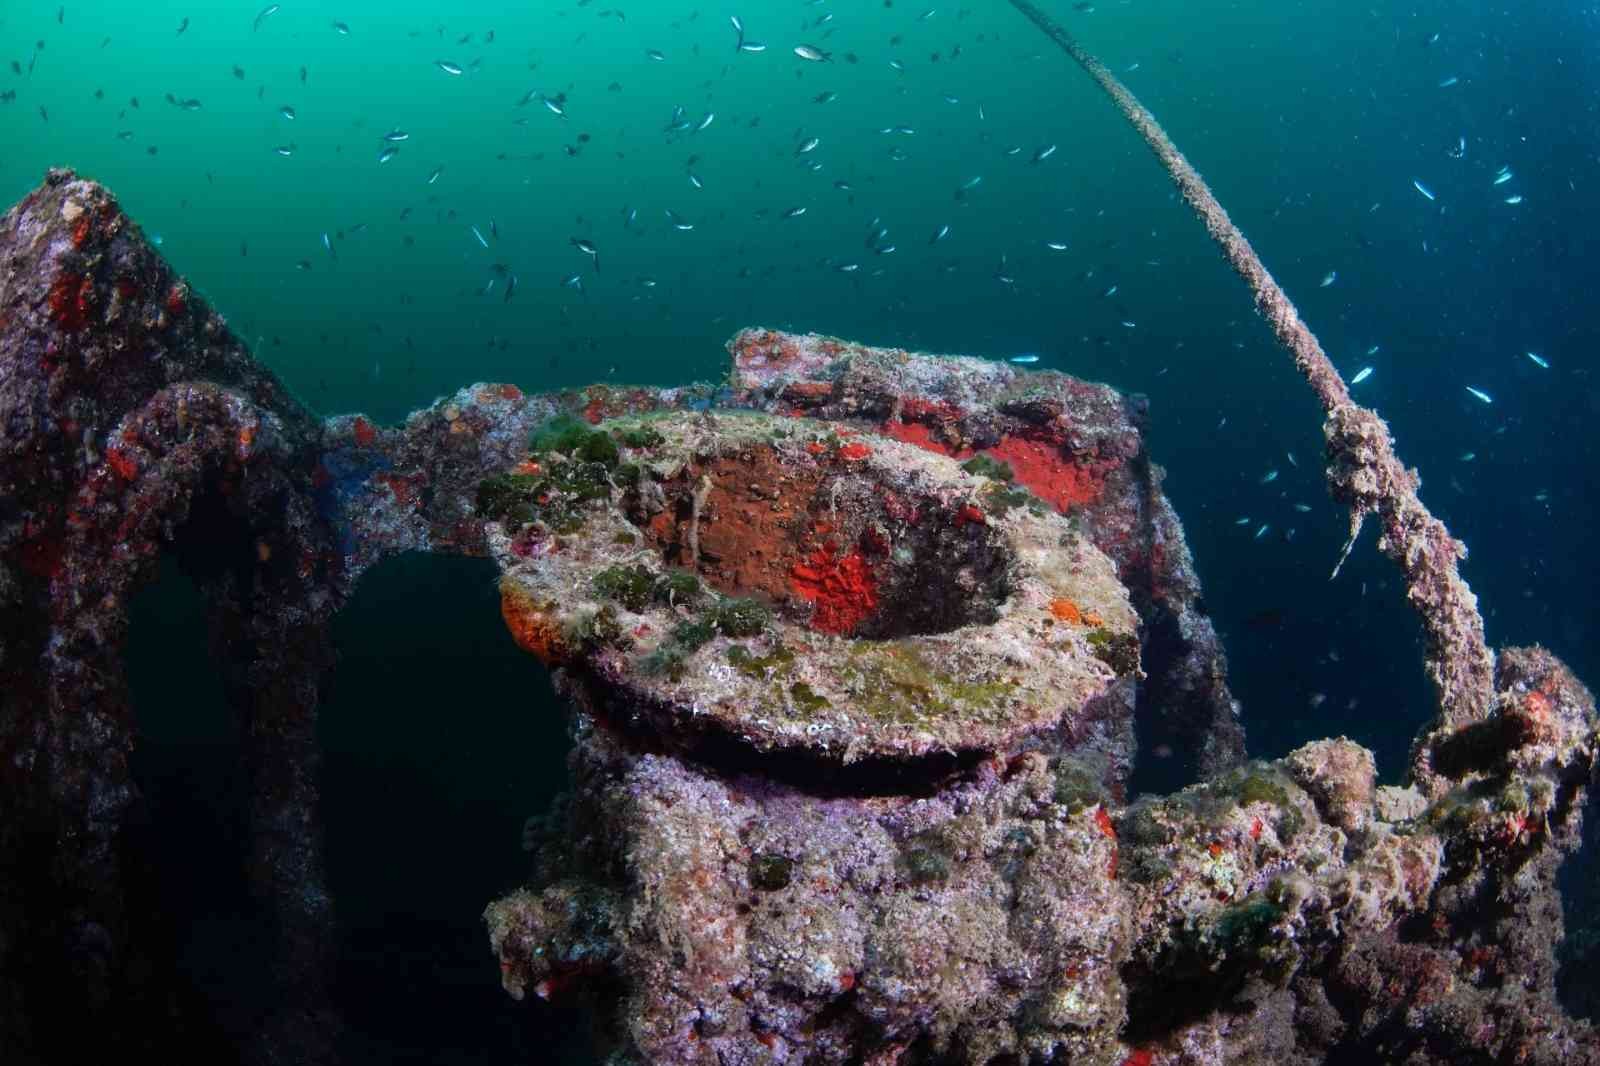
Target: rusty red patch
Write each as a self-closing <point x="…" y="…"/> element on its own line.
<point x="125" y="465"/>
<point x="808" y="393"/>
<point x="404" y="489"/>
<point x="1051" y="476"/>
<point x="365" y="432"/>
<point x="842" y="589"/>
<point x="922" y="436"/>
<point x="69" y="301"/>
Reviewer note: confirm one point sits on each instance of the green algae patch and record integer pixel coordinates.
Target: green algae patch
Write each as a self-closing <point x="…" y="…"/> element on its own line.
<point x="897" y="682"/>
<point x="805" y="699"/>
<point x="1000" y="499"/>
<point x="1077" y="787"/>
<point x="640" y="437"/>
<point x="1258" y="783"/>
<point x="985" y="466"/>
<point x="777" y="663"/>
<point x="677" y="587"/>
<point x="631" y="586"/>
<point x="1120" y="651"/>
<point x="925" y="865"/>
<point x="562" y="433"/>
<point x="739" y="617"/>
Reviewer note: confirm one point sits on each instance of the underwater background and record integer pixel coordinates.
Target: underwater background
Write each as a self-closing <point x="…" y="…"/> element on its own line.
<point x="367" y="287"/>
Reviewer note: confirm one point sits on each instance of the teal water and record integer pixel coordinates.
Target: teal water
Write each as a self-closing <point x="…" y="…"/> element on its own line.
<point x="1310" y="120"/>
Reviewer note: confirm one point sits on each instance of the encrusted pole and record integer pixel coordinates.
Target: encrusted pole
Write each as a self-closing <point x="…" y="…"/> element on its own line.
<point x="1363" y="471"/>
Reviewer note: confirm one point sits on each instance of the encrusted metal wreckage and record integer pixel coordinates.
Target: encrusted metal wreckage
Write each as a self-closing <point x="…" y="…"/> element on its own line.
<point x="860" y="646"/>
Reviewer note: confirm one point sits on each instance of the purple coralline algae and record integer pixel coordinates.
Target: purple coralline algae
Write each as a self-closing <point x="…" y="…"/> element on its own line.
<point x="861" y="647"/>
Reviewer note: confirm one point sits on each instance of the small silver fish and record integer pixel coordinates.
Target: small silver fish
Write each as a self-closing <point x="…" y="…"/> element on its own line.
<point x="1261" y="532"/>
<point x="588" y="249"/>
<point x="812" y="53"/>
<point x="287" y="112"/>
<point x="266" y="13"/>
<point x="388" y="153"/>
<point x="342" y="28"/>
<point x="808" y="145"/>
<point x="1423" y="189"/>
<point x="677" y="221"/>
<point x="1513" y="200"/>
<point x="1056" y="246"/>
<point x="1041" y="154"/>
<point x="1025" y="358"/>
<point x="1538" y="360"/>
<point x="940" y="234"/>
<point x="710" y="117"/>
<point x="655" y="54"/>
<point x="285" y="150"/>
<point x="794" y="212"/>
<point x="447" y="66"/>
<point x="1479" y="394"/>
<point x="1329" y="278"/>
<point x="752" y="46"/>
<point x="1269" y="477"/>
<point x="1361" y="375"/>
<point x="433" y="177"/>
<point x="478" y="235"/>
<point x="395" y="136"/>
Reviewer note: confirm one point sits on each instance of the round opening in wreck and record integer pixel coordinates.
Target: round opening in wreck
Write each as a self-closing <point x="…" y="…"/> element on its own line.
<point x="799" y="586"/>
<point x="827" y="543"/>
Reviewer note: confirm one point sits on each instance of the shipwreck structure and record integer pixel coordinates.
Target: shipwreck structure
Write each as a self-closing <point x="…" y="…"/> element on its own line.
<point x="860" y="646"/>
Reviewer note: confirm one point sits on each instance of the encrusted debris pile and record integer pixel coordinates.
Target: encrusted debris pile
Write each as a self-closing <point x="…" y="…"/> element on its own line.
<point x="858" y="645"/>
<point x="1285" y="911"/>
